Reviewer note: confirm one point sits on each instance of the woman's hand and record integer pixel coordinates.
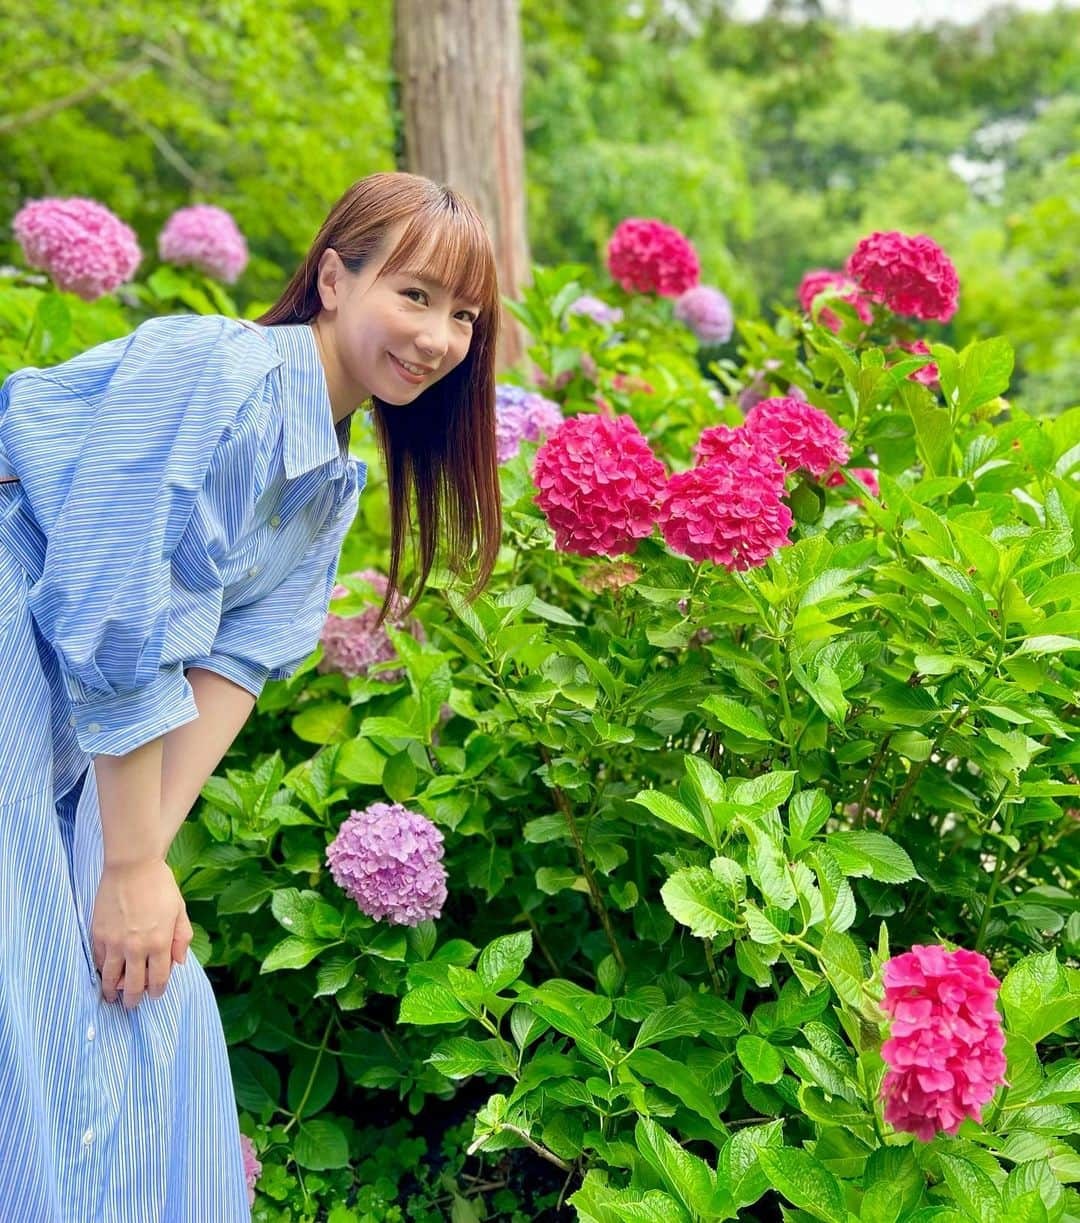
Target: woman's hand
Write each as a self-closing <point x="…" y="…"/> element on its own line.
<point x="140" y="925"/>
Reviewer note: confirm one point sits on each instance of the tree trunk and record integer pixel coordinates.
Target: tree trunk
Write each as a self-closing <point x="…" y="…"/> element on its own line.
<point x="458" y="64"/>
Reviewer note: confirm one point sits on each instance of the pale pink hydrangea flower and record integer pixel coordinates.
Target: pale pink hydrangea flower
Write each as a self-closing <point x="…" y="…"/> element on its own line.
<point x="727" y="511"/>
<point x="352" y="645"/>
<point x="207" y="238"/>
<point x="912" y="275"/>
<point x="389" y="860"/>
<point x="599" y="485"/>
<point x="945" y="1052"/>
<point x="596" y="309"/>
<point x="647" y="256"/>
<point x="820" y="279"/>
<point x="707" y="312"/>
<point x="252" y="1166"/>
<point x="85" y="248"/>
<point x="800" y="435"/>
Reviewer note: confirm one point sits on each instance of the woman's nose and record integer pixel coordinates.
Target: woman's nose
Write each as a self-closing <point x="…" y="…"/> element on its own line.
<point x="433" y="341"/>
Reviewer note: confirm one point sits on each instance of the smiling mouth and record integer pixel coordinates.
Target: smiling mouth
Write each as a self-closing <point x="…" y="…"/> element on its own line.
<point x="418" y="371"/>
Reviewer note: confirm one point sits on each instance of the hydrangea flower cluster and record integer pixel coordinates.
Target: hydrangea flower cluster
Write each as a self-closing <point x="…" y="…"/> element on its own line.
<point x="721" y="444"/>
<point x="615" y="576"/>
<point x="599" y="484"/>
<point x="912" y="275"/>
<point x="647" y="256"/>
<point x="707" y="312"/>
<point x="800" y="435"/>
<point x="945" y="1052"/>
<point x="820" y="279"/>
<point x="866" y="476"/>
<point x="389" y="860"/>
<point x="252" y="1166"/>
<point x="205" y="237"/>
<point x="81" y="244"/>
<point x="352" y="645"/>
<point x="522" y="415"/>
<point x="599" y="311"/>
<point x="727" y="511"/>
<point x="929" y="374"/>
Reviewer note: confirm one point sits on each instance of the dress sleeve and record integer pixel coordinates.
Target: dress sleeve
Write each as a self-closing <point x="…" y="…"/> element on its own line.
<point x="116" y="512"/>
<point x="270" y="637"/>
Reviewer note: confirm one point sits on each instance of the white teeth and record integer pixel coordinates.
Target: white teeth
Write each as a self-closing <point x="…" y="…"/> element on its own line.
<point x="413" y="369"/>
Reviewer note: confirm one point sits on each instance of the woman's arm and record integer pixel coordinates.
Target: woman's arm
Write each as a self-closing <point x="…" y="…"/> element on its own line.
<point x="193" y="751"/>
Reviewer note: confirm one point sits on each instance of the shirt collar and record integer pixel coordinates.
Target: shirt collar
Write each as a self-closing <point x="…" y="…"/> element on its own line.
<point x="309" y="435"/>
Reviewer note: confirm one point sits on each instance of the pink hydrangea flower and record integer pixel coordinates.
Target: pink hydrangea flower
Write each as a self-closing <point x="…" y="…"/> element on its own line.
<point x="798" y="434"/>
<point x="912" y="275"/>
<point x="945" y="1052"/>
<point x="389" y="860"/>
<point x="252" y="1166"/>
<point x="727" y="511"/>
<point x="929" y="374"/>
<point x="820" y="279"/>
<point x="647" y="256"/>
<point x="85" y="248"/>
<point x="352" y="645"/>
<point x="596" y="309"/>
<point x="631" y="384"/>
<point x="612" y="576"/>
<point x="719" y="444"/>
<point x="206" y="237"/>
<point x="599" y="484"/>
<point x="707" y="312"/>
<point x="866" y="476"/>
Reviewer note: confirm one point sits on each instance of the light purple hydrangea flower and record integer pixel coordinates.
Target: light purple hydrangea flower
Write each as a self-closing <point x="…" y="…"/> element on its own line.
<point x="81" y="244"/>
<point x="389" y="860"/>
<point x="252" y="1167"/>
<point x="707" y="312"/>
<point x="352" y="645"/>
<point x="522" y="415"/>
<point x="207" y="238"/>
<point x="592" y="307"/>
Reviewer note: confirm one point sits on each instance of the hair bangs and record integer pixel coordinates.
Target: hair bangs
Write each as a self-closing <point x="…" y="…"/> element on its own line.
<point x="451" y="248"/>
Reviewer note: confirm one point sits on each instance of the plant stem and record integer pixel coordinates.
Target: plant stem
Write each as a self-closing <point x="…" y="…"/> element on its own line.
<point x="789" y="725"/>
<point x="311" y="1077"/>
<point x="711" y="960"/>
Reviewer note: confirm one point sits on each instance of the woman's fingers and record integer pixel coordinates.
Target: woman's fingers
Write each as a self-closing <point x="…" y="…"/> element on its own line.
<point x="111" y="970"/>
<point x="158" y="968"/>
<point x="182" y="936"/>
<point x="134" y="980"/>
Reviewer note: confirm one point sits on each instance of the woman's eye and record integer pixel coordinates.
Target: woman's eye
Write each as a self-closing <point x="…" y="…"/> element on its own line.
<point x="419" y="292"/>
<point x="468" y="316"/>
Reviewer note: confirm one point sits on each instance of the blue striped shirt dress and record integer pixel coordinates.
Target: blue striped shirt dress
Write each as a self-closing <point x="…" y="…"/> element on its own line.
<point x="175" y="498"/>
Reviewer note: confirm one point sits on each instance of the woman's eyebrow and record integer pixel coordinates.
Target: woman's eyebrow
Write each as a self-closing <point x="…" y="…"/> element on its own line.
<point x="427" y="282"/>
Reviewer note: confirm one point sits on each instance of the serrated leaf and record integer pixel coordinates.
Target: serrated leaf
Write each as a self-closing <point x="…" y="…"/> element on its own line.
<point x="759" y="1059"/>
<point x="431" y="1004"/>
<point x="502" y="960"/>
<point x="871" y="853"/>
<point x="805" y="1183"/>
<point x="321" y="1145"/>
<point x="695" y="897"/>
<point x="736" y="716"/>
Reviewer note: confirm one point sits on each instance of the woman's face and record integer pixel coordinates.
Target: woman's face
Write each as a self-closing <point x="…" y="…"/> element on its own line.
<point x="390" y="336"/>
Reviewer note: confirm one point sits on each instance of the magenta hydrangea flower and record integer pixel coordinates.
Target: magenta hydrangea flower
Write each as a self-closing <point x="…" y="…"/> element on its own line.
<point x="647" y="256"/>
<point x="912" y="275"/>
<point x="945" y="1053"/>
<point x="599" y="484"/>
<point x="85" y="248"/>
<point x="929" y="375"/>
<point x="727" y="511"/>
<point x="798" y="434"/>
<point x="352" y="645"/>
<point x="389" y="860"/>
<point x="522" y="415"/>
<point x="596" y="309"/>
<point x="866" y="476"/>
<point x="707" y="312"/>
<point x="719" y="444"/>
<point x="820" y="279"/>
<point x="205" y="237"/>
<point x="252" y="1166"/>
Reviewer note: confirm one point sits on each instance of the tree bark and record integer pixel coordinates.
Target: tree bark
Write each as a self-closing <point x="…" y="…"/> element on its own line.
<point x="458" y="64"/>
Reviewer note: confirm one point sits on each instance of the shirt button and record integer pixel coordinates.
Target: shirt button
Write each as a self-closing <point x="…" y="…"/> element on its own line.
<point x="253" y="571"/>
<point x="93" y="728"/>
<point x="275" y="520"/>
<point x="88" y="1138"/>
<point x="91" y="1032"/>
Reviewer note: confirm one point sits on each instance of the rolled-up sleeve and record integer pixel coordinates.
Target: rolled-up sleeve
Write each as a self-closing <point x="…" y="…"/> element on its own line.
<point x="103" y="599"/>
<point x="270" y="637"/>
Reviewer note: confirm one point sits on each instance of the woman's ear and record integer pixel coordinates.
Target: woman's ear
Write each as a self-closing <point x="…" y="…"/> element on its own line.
<point x="331" y="272"/>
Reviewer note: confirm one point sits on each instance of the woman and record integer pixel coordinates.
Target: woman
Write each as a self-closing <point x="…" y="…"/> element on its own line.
<point x="171" y="518"/>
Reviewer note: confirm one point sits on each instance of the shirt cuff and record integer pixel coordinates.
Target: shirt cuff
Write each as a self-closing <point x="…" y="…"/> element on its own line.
<point x="249" y="675"/>
<point x="119" y="723"/>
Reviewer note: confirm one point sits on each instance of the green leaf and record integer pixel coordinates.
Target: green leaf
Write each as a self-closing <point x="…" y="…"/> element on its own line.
<point x="689" y="1178"/>
<point x="804" y="1182"/>
<point x="675" y="1078"/>
<point x="695" y="897"/>
<point x="735" y="715"/>
<point x="1037" y="997"/>
<point x="933" y="432"/>
<point x="739" y="1170"/>
<point x="335" y="974"/>
<point x="807" y="813"/>
<point x="842" y="965"/>
<point x="985" y="369"/>
<point x="502" y="960"/>
<point x="972" y="1188"/>
<point x="460" y="1056"/>
<point x="321" y="1145"/>
<point x="766" y="792"/>
<point x="672" y="812"/>
<point x="431" y="1004"/>
<point x="293" y="953"/>
<point x="255" y="1079"/>
<point x="759" y="1059"/>
<point x="873" y="854"/>
<point x="306" y="914"/>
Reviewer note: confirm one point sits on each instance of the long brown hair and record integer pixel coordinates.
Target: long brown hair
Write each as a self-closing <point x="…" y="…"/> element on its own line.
<point x="442" y="445"/>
